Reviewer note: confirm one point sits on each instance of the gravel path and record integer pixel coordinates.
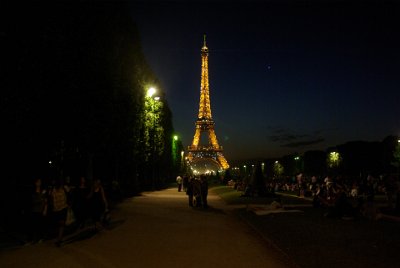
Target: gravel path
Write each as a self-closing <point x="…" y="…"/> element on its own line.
<point x="158" y="229"/>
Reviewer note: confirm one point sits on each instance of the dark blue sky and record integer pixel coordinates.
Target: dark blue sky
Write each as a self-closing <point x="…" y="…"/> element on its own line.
<point x="284" y="78"/>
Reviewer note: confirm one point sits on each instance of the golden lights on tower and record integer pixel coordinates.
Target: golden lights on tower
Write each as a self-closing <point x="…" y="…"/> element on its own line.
<point x="204" y="121"/>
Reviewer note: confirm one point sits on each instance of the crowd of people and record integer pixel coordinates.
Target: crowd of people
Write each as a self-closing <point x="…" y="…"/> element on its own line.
<point x="344" y="197"/>
<point x="52" y="207"/>
<point x="196" y="189"/>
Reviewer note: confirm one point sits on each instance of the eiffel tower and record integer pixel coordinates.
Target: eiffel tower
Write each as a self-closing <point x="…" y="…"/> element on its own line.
<point x="210" y="152"/>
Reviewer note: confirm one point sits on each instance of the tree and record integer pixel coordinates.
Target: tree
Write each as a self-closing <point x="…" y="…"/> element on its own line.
<point x="278" y="169"/>
<point x="314" y="163"/>
<point x="396" y="156"/>
<point x="258" y="181"/>
<point x="81" y="82"/>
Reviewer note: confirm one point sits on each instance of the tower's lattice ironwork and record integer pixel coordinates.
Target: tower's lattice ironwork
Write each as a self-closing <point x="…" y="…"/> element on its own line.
<point x="204" y="122"/>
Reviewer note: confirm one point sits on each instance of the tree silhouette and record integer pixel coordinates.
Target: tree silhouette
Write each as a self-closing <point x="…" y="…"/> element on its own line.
<point x="79" y="79"/>
<point x="259" y="182"/>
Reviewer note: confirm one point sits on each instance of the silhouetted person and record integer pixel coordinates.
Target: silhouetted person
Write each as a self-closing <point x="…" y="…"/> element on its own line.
<point x="38" y="213"/>
<point x="60" y="207"/>
<point x="185" y="182"/>
<point x="197" y="192"/>
<point x="179" y="181"/>
<point x="80" y="203"/>
<point x="189" y="191"/>
<point x="98" y="204"/>
<point x="204" y="191"/>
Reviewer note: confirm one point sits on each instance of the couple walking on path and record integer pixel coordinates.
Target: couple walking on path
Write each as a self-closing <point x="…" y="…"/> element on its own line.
<point x="197" y="191"/>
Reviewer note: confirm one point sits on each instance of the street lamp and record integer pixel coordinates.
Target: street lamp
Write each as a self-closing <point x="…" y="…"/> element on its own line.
<point x="182" y="161"/>
<point x="177" y="163"/>
<point x="151" y="91"/>
<point x="152" y="100"/>
<point x="297" y="167"/>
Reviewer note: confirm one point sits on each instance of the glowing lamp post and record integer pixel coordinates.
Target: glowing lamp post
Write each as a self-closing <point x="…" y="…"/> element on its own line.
<point x="152" y="98"/>
<point x="151" y="91"/>
<point x="182" y="161"/>
<point x="297" y="164"/>
<point x="175" y="153"/>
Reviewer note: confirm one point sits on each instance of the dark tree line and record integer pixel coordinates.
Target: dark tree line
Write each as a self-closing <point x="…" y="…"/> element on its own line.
<point x="74" y="94"/>
<point x="356" y="158"/>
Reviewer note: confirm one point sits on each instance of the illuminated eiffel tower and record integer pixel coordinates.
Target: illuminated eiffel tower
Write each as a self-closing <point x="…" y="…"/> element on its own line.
<point x="211" y="152"/>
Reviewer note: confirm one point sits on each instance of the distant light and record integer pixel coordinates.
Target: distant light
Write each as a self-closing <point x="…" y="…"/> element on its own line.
<point x="50" y="162"/>
<point x="175" y="138"/>
<point x="157" y="98"/>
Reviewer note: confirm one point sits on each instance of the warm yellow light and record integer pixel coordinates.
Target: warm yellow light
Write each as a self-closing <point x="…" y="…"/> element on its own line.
<point x="151" y="91"/>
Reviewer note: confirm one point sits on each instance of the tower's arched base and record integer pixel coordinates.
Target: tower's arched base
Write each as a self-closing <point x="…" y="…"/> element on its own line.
<point x="205" y="166"/>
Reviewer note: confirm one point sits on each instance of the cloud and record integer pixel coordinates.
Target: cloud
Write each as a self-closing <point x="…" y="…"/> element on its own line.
<point x="303" y="143"/>
<point x="285" y="137"/>
<point x="291" y="139"/>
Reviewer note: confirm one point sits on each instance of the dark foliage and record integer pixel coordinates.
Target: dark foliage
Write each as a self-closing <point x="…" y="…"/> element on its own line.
<point x="258" y="181"/>
<point x="314" y="162"/>
<point x="74" y="94"/>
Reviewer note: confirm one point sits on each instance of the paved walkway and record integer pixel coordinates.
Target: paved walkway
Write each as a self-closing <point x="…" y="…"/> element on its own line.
<point x="158" y="229"/>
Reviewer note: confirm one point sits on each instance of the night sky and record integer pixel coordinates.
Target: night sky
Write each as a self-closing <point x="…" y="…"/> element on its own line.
<point x="284" y="77"/>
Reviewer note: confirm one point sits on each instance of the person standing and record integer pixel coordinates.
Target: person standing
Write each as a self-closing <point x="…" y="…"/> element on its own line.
<point x="185" y="182"/>
<point x="179" y="182"/>
<point x="204" y="191"/>
<point x="197" y="192"/>
<point x="98" y="204"/>
<point x="189" y="191"/>
<point x="60" y="207"/>
<point x="80" y="202"/>
<point x="38" y="213"/>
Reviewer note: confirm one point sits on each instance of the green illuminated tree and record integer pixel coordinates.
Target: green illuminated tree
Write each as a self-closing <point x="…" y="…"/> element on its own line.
<point x="278" y="169"/>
